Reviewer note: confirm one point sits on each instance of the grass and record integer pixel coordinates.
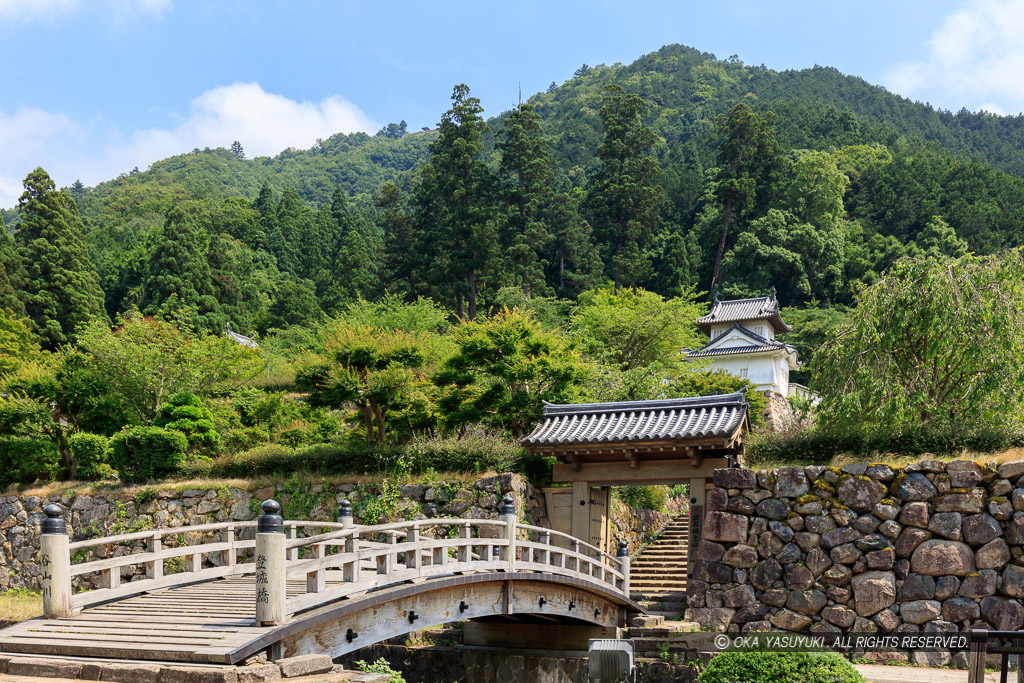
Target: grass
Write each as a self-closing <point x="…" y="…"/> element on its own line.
<point x="253" y="484"/>
<point x="18" y="605"/>
<point x="894" y="460"/>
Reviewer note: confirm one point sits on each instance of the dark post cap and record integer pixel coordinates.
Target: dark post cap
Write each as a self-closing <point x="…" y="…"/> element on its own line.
<point x="54" y="522"/>
<point x="508" y="505"/>
<point x="346" y="509"/>
<point x="623" y="550"/>
<point x="270" y="522"/>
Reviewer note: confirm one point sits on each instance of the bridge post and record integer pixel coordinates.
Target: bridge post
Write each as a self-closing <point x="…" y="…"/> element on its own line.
<point x="270" y="565"/>
<point x="56" y="564"/>
<point x="622" y="555"/>
<point x="508" y="515"/>
<point x="345" y="515"/>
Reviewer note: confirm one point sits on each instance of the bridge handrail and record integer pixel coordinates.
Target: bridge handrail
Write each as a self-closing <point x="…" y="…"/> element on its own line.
<point x="597" y="552"/>
<point x="386" y="528"/>
<point x="159" y="533"/>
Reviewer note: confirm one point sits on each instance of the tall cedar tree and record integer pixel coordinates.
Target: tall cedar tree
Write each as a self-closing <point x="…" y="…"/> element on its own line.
<point x="298" y="230"/>
<point x="455" y="204"/>
<point x="61" y="286"/>
<point x="179" y="267"/>
<point x="624" y="197"/>
<point x="399" y="239"/>
<point x="529" y="173"/>
<point x="575" y="260"/>
<point x="268" y="233"/>
<point x="11" y="273"/>
<point x="750" y="157"/>
<point x="352" y="273"/>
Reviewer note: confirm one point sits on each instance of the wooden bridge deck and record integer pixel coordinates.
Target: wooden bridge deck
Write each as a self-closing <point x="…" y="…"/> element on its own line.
<point x="201" y="622"/>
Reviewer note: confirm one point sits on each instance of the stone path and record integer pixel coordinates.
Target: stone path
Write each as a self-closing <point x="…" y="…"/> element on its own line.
<point x="879" y="673"/>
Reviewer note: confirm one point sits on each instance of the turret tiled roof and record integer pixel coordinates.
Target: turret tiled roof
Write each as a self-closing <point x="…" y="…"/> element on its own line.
<point x="738" y="310"/>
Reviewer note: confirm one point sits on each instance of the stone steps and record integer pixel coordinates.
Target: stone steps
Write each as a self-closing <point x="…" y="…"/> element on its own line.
<point x="658" y="574"/>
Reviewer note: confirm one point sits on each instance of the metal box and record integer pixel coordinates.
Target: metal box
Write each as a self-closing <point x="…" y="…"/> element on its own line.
<point x="611" y="660"/>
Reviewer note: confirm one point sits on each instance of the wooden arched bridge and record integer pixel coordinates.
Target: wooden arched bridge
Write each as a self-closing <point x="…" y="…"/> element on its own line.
<point x="219" y="593"/>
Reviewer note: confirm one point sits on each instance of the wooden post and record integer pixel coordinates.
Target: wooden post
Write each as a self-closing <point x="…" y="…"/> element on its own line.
<point x="155" y="568"/>
<point x="230" y="556"/>
<point x="271" y="581"/>
<point x="976" y="661"/>
<point x="412" y="557"/>
<point x="345" y="515"/>
<point x="622" y="555"/>
<point x="508" y="515"/>
<point x="55" y="559"/>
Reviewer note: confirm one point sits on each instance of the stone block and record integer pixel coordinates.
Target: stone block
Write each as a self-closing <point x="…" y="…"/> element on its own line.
<point x="886" y="620"/>
<point x="798" y="577"/>
<point x="916" y="587"/>
<point x="773" y="508"/>
<point x="766" y="573"/>
<point x="993" y="555"/>
<point x="915" y="514"/>
<point x="741" y="555"/>
<point x="842" y="617"/>
<point x="304" y="665"/>
<point x="1002" y="614"/>
<point x="715" y="618"/>
<point x="820" y="524"/>
<point x="960" y="609"/>
<point x="939" y="557"/>
<point x="1012" y="469"/>
<point x="44" y="668"/>
<point x="971" y="501"/>
<point x="734" y="478"/>
<point x="258" y="673"/>
<point x="839" y="536"/>
<point x="789" y="620"/>
<point x="708" y="551"/>
<point x="915" y="487"/>
<point x="946" y="587"/>
<point x="1013" y="581"/>
<point x="740" y="596"/>
<point x="725" y="527"/>
<point x="980" y="529"/>
<point x="920" y="611"/>
<point x="130" y="673"/>
<point x="947" y="524"/>
<point x="775" y="597"/>
<point x="194" y="674"/>
<point x="806" y="602"/>
<point x="873" y="591"/>
<point x="909" y="539"/>
<point x="860" y="493"/>
<point x="791" y="482"/>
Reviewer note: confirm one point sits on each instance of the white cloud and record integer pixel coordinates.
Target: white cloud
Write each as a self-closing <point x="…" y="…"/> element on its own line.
<point x="48" y="10"/>
<point x="265" y="123"/>
<point x="975" y="58"/>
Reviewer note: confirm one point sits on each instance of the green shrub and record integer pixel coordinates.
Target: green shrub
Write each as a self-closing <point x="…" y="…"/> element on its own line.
<point x="28" y="460"/>
<point x="185" y="413"/>
<point x="779" y="667"/>
<point x="644" y="497"/>
<point x="381" y="666"/>
<point x="142" y="453"/>
<point x="89" y="451"/>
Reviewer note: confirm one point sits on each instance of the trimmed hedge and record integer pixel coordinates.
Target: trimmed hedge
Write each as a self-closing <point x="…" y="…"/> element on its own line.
<point x="779" y="667"/>
<point x="28" y="460"/>
<point x="89" y="451"/>
<point x="815" y="446"/>
<point x="142" y="453"/>
<point x="470" y="454"/>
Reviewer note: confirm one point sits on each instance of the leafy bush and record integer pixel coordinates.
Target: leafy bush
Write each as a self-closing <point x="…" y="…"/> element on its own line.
<point x="644" y="497"/>
<point x="142" y="453"/>
<point x="381" y="666"/>
<point x="89" y="451"/>
<point x="26" y="460"/>
<point x="185" y="413"/>
<point x="779" y="667"/>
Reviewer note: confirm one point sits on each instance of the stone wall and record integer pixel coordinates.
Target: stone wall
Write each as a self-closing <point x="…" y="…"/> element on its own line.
<point x="635" y="526"/>
<point x="935" y="547"/>
<point x="121" y="510"/>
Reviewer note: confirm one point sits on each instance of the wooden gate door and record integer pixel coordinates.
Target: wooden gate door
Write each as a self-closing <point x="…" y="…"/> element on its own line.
<point x="600" y="517"/>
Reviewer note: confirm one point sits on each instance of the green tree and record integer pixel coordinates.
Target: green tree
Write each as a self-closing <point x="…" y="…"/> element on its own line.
<point x="575" y="262"/>
<point x="749" y="158"/>
<point x="505" y="367"/>
<point x="186" y="413"/>
<point x="148" y="359"/>
<point x="624" y="196"/>
<point x="62" y="288"/>
<point x="634" y="328"/>
<point x="934" y="343"/>
<point x="17" y="343"/>
<point x="12" y="272"/>
<point x="939" y="239"/>
<point x="394" y="222"/>
<point x="528" y="172"/>
<point x="455" y="203"/>
<point x="179" y="268"/>
<point x="374" y="369"/>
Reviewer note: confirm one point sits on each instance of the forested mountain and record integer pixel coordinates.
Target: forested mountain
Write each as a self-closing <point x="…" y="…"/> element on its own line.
<point x="677" y="171"/>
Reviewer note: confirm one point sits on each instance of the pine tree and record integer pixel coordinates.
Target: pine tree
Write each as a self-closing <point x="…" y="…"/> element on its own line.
<point x="399" y="240"/>
<point x="624" y="197"/>
<point x="11" y="273"/>
<point x="529" y="174"/>
<point x="749" y="156"/>
<point x="62" y="288"/>
<point x="455" y="203"/>
<point x="179" y="267"/>
<point x="297" y="223"/>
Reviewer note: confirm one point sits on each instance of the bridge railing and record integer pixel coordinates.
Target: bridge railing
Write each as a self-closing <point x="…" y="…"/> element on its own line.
<point x="190" y="546"/>
<point x="336" y="559"/>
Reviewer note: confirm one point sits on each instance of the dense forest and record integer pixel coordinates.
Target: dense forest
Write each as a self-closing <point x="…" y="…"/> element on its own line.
<point x="678" y="171"/>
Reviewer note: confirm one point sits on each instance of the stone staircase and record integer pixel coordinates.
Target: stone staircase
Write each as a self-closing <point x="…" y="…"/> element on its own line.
<point x="657" y="577"/>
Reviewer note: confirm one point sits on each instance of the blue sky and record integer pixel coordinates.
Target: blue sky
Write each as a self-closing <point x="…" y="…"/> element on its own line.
<point x="91" y="88"/>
